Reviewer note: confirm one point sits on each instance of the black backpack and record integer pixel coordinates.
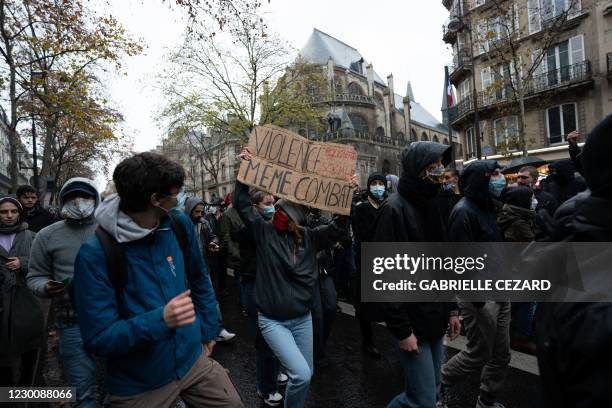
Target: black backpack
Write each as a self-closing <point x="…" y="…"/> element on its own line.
<point x="116" y="261"/>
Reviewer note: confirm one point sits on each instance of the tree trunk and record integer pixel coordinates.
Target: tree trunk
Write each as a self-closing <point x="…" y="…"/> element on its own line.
<point x="13" y="136"/>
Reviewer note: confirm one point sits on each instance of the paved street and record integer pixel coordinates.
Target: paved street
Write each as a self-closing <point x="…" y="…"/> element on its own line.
<point x="356" y="380"/>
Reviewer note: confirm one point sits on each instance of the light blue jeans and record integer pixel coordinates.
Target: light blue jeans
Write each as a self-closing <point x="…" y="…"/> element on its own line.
<point x="421" y="376"/>
<point x="291" y="342"/>
<point x="79" y="366"/>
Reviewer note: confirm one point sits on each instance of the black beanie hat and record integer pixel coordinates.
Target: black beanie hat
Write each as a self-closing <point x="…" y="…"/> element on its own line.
<point x="12" y="199"/>
<point x="519" y="196"/>
<point x="596" y="164"/>
<point x="377" y="176"/>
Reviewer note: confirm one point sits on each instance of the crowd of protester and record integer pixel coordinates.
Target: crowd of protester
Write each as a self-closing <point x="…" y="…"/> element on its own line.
<point x="134" y="280"/>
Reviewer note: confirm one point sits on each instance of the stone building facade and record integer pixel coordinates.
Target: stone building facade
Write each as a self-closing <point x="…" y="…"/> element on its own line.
<point x="363" y="110"/>
<point x="569" y="89"/>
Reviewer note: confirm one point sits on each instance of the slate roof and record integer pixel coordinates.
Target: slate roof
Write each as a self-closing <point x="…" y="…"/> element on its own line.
<point x="321" y="46"/>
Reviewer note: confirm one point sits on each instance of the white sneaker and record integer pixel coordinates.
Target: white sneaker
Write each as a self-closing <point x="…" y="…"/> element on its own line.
<point x="271" y="400"/>
<point x="282" y="379"/>
<point x="224" y="335"/>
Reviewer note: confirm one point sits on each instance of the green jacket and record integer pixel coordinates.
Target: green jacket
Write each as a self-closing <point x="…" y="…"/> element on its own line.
<point x="230" y="230"/>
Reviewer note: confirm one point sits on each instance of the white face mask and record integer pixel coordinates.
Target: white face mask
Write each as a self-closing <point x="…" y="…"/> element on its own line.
<point x="78" y="208"/>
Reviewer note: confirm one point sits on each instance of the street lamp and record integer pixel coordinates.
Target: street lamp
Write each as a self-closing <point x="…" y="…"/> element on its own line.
<point x="455" y="24"/>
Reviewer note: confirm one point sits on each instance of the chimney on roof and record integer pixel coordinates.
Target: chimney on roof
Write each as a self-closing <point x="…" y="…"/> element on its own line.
<point x="370" y="70"/>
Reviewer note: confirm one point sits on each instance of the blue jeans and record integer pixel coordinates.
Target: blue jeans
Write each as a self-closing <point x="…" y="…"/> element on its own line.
<point x="79" y="366"/>
<point x="524" y="313"/>
<point x="421" y="376"/>
<point x="291" y="342"/>
<point x="266" y="364"/>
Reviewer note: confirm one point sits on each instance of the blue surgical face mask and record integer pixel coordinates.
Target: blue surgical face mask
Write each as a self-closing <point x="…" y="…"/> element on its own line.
<point x="268" y="212"/>
<point x="377" y="191"/>
<point x="449" y="186"/>
<point x="497" y="185"/>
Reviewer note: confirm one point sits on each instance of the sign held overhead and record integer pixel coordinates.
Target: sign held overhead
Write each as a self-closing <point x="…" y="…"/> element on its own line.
<point x="285" y="164"/>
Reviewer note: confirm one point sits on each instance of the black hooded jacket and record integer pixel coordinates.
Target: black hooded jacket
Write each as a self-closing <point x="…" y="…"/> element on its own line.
<point x="473" y="219"/>
<point x="412" y="215"/>
<point x="562" y="184"/>
<point x="38" y="218"/>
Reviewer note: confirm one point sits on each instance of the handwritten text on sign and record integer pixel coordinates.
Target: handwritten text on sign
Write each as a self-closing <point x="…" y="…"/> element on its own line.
<point x="287" y="165"/>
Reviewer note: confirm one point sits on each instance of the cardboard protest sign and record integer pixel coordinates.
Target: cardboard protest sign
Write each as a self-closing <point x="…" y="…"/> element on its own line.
<point x="312" y="173"/>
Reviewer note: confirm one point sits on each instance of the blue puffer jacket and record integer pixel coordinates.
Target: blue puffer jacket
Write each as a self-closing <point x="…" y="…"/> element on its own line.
<point x="142" y="352"/>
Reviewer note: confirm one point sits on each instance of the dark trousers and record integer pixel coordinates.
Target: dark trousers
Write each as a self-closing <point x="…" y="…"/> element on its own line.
<point x="266" y="363"/>
<point x="344" y="267"/>
<point x="24" y="368"/>
<point x="323" y="314"/>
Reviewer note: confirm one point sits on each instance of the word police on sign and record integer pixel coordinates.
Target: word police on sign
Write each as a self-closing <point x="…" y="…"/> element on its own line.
<point x="312" y="173"/>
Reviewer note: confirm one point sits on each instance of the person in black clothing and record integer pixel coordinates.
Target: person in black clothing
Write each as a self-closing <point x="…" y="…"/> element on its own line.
<point x="574" y="352"/>
<point x="324" y="297"/>
<point x="448" y="197"/>
<point x="528" y="176"/>
<point x="365" y="212"/>
<point x="561" y="183"/>
<point x="487" y="323"/>
<point x="287" y="270"/>
<point x="216" y="261"/>
<point x="34" y="214"/>
<point x="411" y="215"/>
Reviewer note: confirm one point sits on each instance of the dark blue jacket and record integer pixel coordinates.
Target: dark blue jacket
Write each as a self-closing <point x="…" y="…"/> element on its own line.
<point x="142" y="352"/>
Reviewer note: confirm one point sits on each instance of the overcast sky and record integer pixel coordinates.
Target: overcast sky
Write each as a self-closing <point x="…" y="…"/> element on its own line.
<point x="399" y="37"/>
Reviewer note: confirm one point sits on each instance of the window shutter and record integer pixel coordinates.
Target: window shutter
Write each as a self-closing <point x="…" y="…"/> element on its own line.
<point x="535" y="22"/>
<point x="485" y="75"/>
<point x="576" y="45"/>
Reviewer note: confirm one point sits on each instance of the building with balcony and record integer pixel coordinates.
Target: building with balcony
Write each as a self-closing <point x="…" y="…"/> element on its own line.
<point x="363" y="110"/>
<point x="564" y="54"/>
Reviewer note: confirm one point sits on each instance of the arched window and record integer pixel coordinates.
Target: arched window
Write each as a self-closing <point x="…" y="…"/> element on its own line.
<point x="339" y="88"/>
<point x="424" y="136"/>
<point x="446" y="141"/>
<point x="380" y="131"/>
<point x="413" y="135"/>
<point x="400" y="136"/>
<point x="360" y="124"/>
<point x="355" y="89"/>
<point x="379" y="100"/>
<point x="435" y="139"/>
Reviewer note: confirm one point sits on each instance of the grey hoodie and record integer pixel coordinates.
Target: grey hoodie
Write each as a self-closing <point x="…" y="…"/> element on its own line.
<point x="54" y="251"/>
<point x="117" y="223"/>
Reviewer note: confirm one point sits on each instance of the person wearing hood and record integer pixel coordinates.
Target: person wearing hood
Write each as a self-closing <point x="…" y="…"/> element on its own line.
<point x="51" y="273"/>
<point x="194" y="209"/>
<point x="35" y="215"/>
<point x="155" y="334"/>
<point x="217" y="259"/>
<point x="365" y="212"/>
<point x="573" y="339"/>
<point x="473" y="219"/>
<point x="561" y="182"/>
<point x="517" y="217"/>
<point x="412" y="215"/>
<point x="287" y="271"/>
<point x="22" y="321"/>
<point x="517" y="222"/>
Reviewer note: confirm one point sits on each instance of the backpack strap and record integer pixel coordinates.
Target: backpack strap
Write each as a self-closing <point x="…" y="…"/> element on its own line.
<point x="116" y="262"/>
<point x="181" y="235"/>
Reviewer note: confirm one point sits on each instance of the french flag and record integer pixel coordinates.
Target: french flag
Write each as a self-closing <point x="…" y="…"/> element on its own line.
<point x="450" y="96"/>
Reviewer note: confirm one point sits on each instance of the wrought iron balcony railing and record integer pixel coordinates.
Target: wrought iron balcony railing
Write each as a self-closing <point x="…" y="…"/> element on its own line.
<point x="549" y="81"/>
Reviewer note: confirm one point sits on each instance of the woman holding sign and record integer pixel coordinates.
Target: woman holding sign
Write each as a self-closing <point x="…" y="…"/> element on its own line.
<point x="286" y="274"/>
